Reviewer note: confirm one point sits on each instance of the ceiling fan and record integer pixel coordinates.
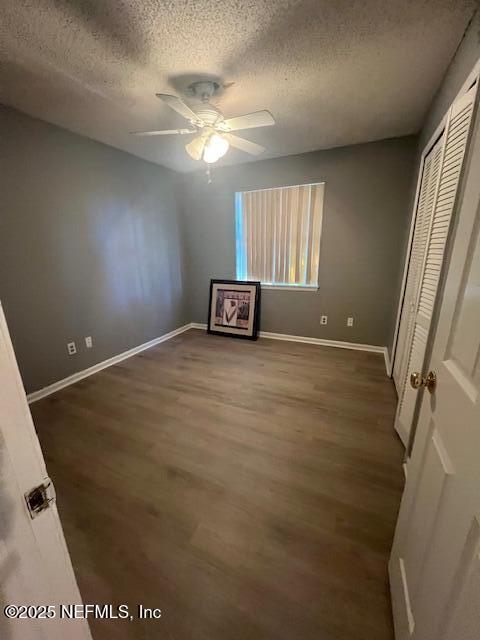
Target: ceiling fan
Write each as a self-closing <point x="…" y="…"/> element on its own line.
<point x="215" y="132"/>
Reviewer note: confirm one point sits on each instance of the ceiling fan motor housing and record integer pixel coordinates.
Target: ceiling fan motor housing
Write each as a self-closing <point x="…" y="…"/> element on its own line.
<point x="204" y="89"/>
<point x="208" y="113"/>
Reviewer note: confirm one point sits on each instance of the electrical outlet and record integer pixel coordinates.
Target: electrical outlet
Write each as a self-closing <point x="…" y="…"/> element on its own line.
<point x="323" y="319"/>
<point x="88" y="342"/>
<point x="71" y="348"/>
<point x="350" y="322"/>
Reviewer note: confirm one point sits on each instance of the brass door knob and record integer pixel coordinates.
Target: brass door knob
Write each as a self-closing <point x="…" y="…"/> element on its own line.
<point x="417" y="380"/>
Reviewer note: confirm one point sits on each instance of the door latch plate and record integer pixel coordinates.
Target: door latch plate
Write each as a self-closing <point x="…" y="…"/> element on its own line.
<point x="40" y="498"/>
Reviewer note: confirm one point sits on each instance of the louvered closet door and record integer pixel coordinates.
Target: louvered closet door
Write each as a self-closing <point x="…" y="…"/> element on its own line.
<point x="419" y="245"/>
<point x="447" y="161"/>
<point x="426" y="208"/>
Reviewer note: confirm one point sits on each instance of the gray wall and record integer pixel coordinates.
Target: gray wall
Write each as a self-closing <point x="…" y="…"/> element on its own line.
<point x="463" y="62"/>
<point x="89" y="245"/>
<point x="365" y="220"/>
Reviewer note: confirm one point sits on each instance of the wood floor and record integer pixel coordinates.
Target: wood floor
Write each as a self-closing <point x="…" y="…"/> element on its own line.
<point x="247" y="489"/>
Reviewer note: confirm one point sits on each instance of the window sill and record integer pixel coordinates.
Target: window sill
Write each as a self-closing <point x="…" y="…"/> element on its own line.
<point x="290" y="287"/>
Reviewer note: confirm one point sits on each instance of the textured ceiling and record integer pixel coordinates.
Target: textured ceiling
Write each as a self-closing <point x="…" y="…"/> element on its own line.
<point x="333" y="72"/>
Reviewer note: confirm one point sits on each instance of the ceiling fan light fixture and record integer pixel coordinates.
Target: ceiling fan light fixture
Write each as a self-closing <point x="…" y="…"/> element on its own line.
<point x="215" y="148"/>
<point x="214" y="132"/>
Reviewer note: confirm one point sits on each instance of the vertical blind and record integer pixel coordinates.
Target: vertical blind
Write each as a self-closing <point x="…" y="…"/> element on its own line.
<point x="278" y="234"/>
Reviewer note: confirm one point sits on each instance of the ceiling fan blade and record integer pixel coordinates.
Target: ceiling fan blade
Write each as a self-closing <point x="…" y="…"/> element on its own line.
<point x="252" y="148"/>
<point x="165" y="132"/>
<point x="195" y="147"/>
<point x="179" y="106"/>
<point x="249" y="121"/>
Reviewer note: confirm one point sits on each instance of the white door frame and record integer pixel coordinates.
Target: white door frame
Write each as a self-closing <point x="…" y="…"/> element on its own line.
<point x="472" y="76"/>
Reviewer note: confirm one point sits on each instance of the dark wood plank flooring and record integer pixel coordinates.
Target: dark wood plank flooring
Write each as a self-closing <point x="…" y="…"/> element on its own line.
<point x="247" y="489"/>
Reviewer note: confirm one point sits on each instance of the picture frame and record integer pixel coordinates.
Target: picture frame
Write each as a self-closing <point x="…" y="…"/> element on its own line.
<point x="234" y="308"/>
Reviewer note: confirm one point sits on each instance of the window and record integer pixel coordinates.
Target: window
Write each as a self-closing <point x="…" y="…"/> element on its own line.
<point x="278" y="235"/>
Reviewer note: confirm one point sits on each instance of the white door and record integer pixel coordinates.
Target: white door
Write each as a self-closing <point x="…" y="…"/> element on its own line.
<point x="425" y="207"/>
<point x="439" y="196"/>
<point x="435" y="562"/>
<point x="35" y="567"/>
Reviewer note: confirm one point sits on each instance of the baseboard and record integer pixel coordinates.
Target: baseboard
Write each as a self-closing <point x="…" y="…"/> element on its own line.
<point x="388" y="363"/>
<point x="356" y="346"/>
<point x="61" y="384"/>
<point x="75" y="377"/>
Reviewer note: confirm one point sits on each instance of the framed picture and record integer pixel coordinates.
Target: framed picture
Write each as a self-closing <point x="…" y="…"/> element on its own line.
<point x="234" y="308"/>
